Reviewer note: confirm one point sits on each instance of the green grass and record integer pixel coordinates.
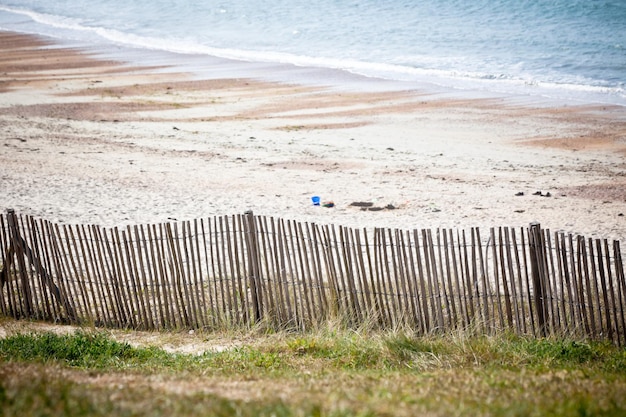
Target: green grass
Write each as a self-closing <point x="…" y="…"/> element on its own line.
<point x="324" y="373"/>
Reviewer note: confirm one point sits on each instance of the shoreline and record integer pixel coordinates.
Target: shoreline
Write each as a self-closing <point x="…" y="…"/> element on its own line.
<point x="103" y="142"/>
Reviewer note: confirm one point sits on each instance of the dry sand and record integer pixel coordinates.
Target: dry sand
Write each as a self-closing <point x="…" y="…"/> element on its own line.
<point x="95" y="142"/>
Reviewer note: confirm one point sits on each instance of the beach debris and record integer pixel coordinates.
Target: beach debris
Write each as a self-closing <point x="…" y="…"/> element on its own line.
<point x="369" y="206"/>
<point x="361" y="204"/>
<point x="317" y="201"/>
<point x="521" y="193"/>
<point x="542" y="194"/>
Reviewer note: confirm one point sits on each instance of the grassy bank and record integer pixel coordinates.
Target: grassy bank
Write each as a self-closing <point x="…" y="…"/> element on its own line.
<point x="329" y="372"/>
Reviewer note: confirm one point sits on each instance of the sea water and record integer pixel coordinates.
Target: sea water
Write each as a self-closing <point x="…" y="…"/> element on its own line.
<point x="572" y="50"/>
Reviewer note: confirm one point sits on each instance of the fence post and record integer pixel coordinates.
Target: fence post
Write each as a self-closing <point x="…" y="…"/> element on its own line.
<point x="16" y="242"/>
<point x="539" y="277"/>
<point x="7" y="260"/>
<point x="253" y="264"/>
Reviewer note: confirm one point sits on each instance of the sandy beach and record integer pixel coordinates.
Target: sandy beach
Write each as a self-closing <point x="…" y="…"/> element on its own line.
<point x="99" y="142"/>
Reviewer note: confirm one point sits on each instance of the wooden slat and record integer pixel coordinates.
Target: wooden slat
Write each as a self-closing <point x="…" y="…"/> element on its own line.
<point x="8" y="254"/>
<point x="612" y="293"/>
<point x="596" y="289"/>
<point x="295" y="266"/>
<point x="299" y="301"/>
<point x="97" y="275"/>
<point x="498" y="267"/>
<point x="216" y="269"/>
<point x="409" y="277"/>
<point x="196" y="260"/>
<point x="191" y="277"/>
<point x="479" y="269"/>
<point x="35" y="281"/>
<point x="565" y="291"/>
<point x="180" y="280"/>
<point x="372" y="272"/>
<point x="23" y="291"/>
<point x="154" y="272"/>
<point x="292" y="311"/>
<point x="298" y="283"/>
<point x="10" y="278"/>
<point x="520" y="282"/>
<point x="505" y="269"/>
<point x="211" y="290"/>
<point x="269" y="275"/>
<point x="585" y="276"/>
<point x="577" y="281"/>
<point x="391" y="269"/>
<point x="445" y="284"/>
<point x="469" y="288"/>
<point x="463" y="319"/>
<point x="621" y="288"/>
<point x="608" y="327"/>
<point x="143" y="274"/>
<point x="383" y="268"/>
<point x="133" y="278"/>
<point x="160" y="257"/>
<point x="344" y="292"/>
<point x="65" y="297"/>
<point x="313" y="233"/>
<point x="434" y="282"/>
<point x="569" y="277"/>
<point x="428" y="326"/>
<point x="209" y="304"/>
<point x="303" y="253"/>
<point x="223" y="272"/>
<point x="116" y="278"/>
<point x="246" y="279"/>
<point x="334" y="299"/>
<point x="552" y="283"/>
<point x="46" y="290"/>
<point x="512" y="297"/>
<point x="76" y="274"/>
<point x="124" y="279"/>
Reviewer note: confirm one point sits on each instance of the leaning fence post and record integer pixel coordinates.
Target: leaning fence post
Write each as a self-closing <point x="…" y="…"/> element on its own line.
<point x="16" y="242"/>
<point x="21" y="250"/>
<point x="538" y="271"/>
<point x="7" y="260"/>
<point x="253" y="264"/>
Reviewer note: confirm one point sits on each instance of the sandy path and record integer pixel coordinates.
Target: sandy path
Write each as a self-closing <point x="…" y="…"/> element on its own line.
<point x="87" y="141"/>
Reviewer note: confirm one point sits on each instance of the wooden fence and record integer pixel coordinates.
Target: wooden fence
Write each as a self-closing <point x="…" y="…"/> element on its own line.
<point x="244" y="269"/>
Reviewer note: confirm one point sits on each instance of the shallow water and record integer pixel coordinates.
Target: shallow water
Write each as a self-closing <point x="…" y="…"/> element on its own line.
<point x="565" y="50"/>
